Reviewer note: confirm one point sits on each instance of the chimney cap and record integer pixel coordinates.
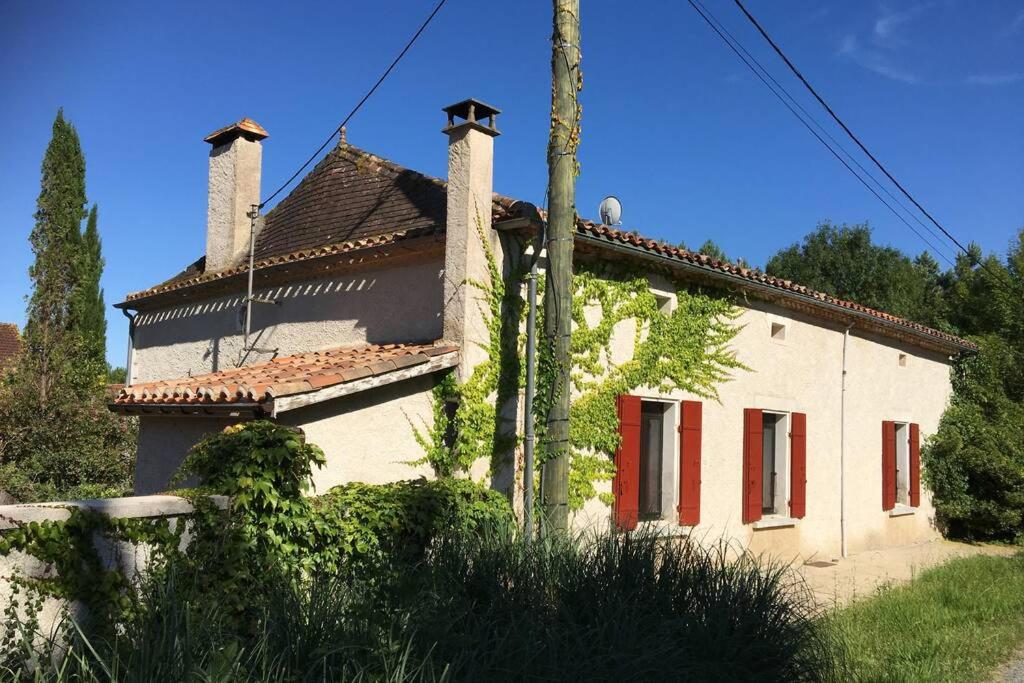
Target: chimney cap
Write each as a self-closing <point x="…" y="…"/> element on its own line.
<point x="246" y="128"/>
<point x="473" y="111"/>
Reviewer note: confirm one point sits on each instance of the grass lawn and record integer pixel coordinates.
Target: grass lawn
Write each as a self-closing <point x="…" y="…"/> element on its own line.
<point x="956" y="622"/>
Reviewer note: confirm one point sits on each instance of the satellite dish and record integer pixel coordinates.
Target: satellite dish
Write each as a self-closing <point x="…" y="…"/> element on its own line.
<point x="610" y="210"/>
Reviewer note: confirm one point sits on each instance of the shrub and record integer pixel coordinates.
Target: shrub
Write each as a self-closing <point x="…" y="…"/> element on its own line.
<point x="363" y="525"/>
<point x="974" y="464"/>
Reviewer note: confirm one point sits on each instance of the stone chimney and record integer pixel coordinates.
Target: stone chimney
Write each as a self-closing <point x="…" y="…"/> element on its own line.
<point x="235" y="160"/>
<point x="470" y="179"/>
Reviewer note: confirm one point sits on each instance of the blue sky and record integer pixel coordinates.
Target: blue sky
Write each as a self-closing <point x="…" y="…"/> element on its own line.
<point x="673" y="123"/>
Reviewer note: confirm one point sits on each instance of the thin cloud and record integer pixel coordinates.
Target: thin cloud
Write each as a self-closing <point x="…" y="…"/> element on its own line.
<point x="994" y="79"/>
<point x="887" y="25"/>
<point x="874" y="61"/>
<point x="1015" y="25"/>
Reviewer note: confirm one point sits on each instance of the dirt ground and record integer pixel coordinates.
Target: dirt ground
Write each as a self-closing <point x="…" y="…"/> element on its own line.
<point x="860" y="575"/>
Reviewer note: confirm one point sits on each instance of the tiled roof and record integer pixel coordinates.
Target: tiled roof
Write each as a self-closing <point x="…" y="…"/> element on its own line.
<point x="280" y="377"/>
<point x="354" y="200"/>
<point x="352" y="195"/>
<point x="10" y="343"/>
<point x="585" y="228"/>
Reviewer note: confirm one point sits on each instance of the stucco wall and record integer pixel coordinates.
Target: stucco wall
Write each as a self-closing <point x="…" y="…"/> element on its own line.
<point x="803" y="373"/>
<point x="366" y="437"/>
<point x="380" y="305"/>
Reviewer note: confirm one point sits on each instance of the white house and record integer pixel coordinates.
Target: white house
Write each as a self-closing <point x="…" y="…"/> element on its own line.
<point x="367" y="292"/>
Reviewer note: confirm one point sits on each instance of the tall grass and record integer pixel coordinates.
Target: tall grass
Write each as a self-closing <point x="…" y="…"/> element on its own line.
<point x="956" y="622"/>
<point x="610" y="607"/>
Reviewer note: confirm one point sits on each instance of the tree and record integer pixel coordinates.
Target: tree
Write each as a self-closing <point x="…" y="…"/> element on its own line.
<point x="843" y="261"/>
<point x="57" y="438"/>
<point x="709" y="248"/>
<point x="49" y="340"/>
<point x="88" y="318"/>
<point x="974" y="464"/>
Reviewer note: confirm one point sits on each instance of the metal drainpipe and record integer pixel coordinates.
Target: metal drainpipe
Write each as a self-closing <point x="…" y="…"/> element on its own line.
<point x="842" y="449"/>
<point x="531" y="388"/>
<point x="131" y="347"/>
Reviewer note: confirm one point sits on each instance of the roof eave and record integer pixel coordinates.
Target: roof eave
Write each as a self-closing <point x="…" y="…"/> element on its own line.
<point x="947" y="345"/>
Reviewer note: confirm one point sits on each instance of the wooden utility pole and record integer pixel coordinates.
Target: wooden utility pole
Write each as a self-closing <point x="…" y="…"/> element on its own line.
<point x="564" y="138"/>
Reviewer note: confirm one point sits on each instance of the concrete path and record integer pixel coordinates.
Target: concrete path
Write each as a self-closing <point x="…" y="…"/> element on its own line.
<point x="861" y="575"/>
<point x="1012" y="671"/>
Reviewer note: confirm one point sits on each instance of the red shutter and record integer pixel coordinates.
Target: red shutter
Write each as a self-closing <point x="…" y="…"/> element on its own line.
<point x="888" y="465"/>
<point x="798" y="465"/>
<point x="752" y="454"/>
<point x="915" y="465"/>
<point x="689" y="462"/>
<point x="627" y="464"/>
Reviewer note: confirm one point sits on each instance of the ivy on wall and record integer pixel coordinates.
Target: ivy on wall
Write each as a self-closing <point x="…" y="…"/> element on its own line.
<point x="477" y="427"/>
<point x="686" y="349"/>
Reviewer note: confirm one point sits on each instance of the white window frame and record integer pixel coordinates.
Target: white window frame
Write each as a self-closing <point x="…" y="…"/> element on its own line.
<point x="902" y="474"/>
<point x="669" y="458"/>
<point x="780" y="504"/>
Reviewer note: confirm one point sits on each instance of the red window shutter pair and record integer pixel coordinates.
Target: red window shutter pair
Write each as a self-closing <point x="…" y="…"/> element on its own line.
<point x="753" y="454"/>
<point x="889" y="465"/>
<point x="626" y="485"/>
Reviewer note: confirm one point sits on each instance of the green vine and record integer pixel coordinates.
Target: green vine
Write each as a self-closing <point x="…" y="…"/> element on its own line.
<point x="82" y="575"/>
<point x="687" y="350"/>
<point x="478" y="428"/>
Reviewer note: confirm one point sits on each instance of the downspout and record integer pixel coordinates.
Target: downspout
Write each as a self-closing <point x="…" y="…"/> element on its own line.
<point x="842" y="449"/>
<point x="531" y="389"/>
<point x="131" y="346"/>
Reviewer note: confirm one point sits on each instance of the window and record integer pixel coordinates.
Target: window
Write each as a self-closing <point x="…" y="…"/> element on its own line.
<point x="778" y="332"/>
<point x="657" y="465"/>
<point x="652" y="459"/>
<point x="902" y="461"/>
<point x="774" y="467"/>
<point x="901" y="465"/>
<point x="902" y="360"/>
<point x="774" y="464"/>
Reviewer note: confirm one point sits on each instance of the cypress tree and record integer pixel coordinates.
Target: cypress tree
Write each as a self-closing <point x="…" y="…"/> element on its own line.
<point x="50" y="342"/>
<point x="89" y="317"/>
<point x="57" y="438"/>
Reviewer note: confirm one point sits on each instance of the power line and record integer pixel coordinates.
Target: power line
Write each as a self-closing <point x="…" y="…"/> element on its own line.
<point x="706" y="16"/>
<point x="853" y="137"/>
<point x="352" y="113"/>
<point x="832" y="139"/>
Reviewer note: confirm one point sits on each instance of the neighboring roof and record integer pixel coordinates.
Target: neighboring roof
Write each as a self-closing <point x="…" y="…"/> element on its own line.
<point x="352" y="195"/>
<point x="351" y="200"/>
<point x="10" y="343"/>
<point x="313" y="377"/>
<point x="355" y="201"/>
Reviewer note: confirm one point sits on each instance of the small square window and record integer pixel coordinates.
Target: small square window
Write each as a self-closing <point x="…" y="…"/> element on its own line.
<point x="903" y="360"/>
<point x="664" y="303"/>
<point x="778" y="332"/>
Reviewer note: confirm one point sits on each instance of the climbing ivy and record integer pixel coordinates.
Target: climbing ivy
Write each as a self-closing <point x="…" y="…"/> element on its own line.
<point x="686" y="349"/>
<point x="477" y="428"/>
<point x="70" y="547"/>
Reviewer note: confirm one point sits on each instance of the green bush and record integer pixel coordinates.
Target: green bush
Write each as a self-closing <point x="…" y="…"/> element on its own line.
<point x="974" y="464"/>
<point x="357" y="526"/>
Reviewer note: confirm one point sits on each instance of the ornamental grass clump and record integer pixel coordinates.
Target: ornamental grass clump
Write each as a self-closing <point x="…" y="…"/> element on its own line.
<point x="615" y="607"/>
